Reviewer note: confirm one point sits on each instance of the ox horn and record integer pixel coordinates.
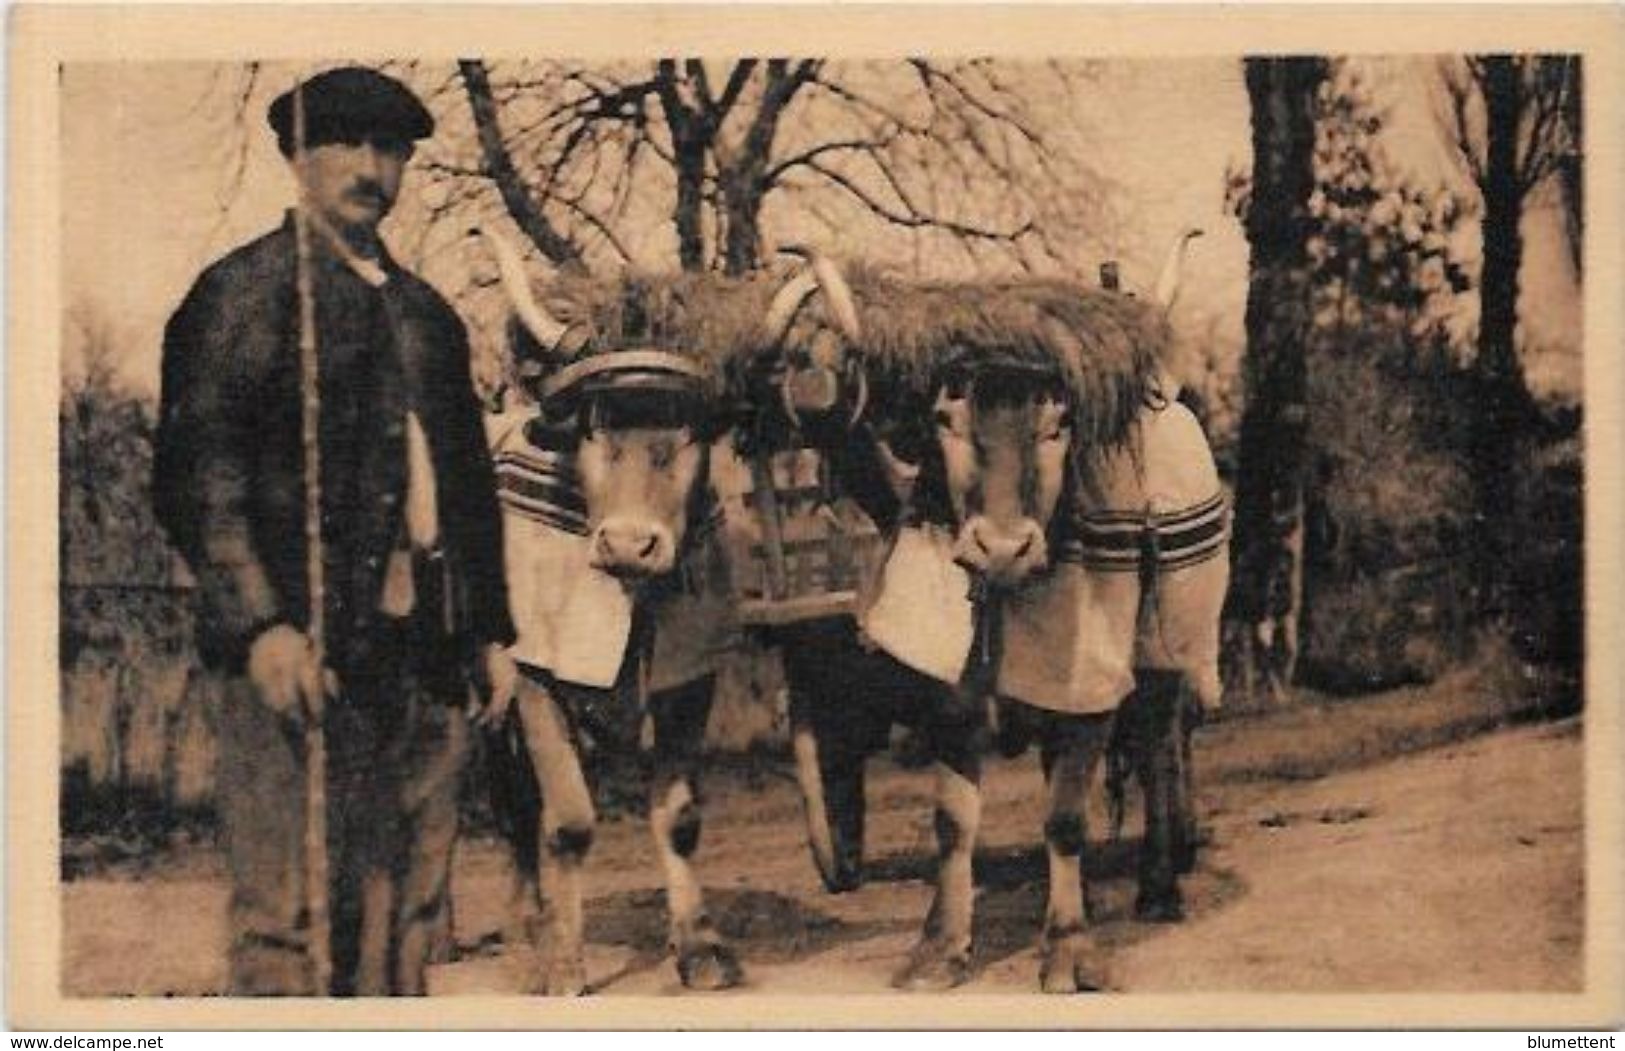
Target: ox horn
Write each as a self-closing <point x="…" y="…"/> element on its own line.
<point x="838" y="296"/>
<point x="1168" y="383"/>
<point x="781" y="313"/>
<point x="1173" y="267"/>
<point x="820" y="274"/>
<point x="553" y="335"/>
<point x="837" y="293"/>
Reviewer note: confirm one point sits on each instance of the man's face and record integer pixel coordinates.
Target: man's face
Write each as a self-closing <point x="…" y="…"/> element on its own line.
<point x="353" y="184"/>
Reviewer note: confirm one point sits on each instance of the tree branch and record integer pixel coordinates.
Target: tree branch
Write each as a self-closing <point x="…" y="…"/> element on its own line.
<point x="910" y="218"/>
<point x="500" y="169"/>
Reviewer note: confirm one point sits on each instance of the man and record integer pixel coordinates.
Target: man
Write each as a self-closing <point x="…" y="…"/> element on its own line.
<point x="415" y="598"/>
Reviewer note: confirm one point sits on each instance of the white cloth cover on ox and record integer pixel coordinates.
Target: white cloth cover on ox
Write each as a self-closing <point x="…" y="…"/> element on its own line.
<point x="922" y="613"/>
<point x="1073" y="641"/>
<point x="574" y="621"/>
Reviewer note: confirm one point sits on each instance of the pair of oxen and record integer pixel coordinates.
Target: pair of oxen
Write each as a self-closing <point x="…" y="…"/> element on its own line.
<point x="1053" y="567"/>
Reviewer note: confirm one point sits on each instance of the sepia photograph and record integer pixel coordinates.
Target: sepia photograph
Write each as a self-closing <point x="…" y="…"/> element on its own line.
<point x="864" y="526"/>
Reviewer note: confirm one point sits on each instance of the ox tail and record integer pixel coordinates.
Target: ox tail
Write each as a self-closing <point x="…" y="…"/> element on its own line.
<point x="516" y="801"/>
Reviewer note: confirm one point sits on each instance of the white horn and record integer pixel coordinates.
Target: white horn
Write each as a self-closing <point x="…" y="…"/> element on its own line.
<point x="837" y="293"/>
<point x="1167" y="289"/>
<point x="781" y="313"/>
<point x="544" y="327"/>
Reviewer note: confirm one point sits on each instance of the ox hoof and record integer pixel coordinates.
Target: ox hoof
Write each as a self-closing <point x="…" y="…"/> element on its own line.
<point x="931" y="967"/>
<point x="709" y="967"/>
<point x="839" y="874"/>
<point x="1072" y="965"/>
<point x="1160" y="907"/>
<point x="843" y="877"/>
<point x="563" y="976"/>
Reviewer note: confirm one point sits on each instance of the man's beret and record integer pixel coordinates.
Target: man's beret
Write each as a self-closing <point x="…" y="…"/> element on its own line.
<point x="350" y="104"/>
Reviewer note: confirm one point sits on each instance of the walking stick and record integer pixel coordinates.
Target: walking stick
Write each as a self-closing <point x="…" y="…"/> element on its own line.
<point x="316" y="885"/>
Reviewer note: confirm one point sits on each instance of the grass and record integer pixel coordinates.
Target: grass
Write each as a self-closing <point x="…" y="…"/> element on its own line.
<point x="1319" y="734"/>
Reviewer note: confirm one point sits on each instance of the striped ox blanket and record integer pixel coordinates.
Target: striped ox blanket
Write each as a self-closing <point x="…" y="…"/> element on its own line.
<point x="575" y="621"/>
<point x="1140" y="583"/>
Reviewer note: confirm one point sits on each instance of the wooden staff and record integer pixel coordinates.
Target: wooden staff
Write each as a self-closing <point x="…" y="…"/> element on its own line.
<point x="316" y="884"/>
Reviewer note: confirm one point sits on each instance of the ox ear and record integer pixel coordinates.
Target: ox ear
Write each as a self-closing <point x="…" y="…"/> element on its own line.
<point x="554" y="434"/>
<point x="713" y="418"/>
<point x="952" y="408"/>
<point x="1054" y="422"/>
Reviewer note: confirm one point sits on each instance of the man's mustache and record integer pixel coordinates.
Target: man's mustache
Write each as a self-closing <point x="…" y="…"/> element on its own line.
<point x="367" y="193"/>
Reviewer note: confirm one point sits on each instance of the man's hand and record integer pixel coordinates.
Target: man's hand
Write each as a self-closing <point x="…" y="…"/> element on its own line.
<point x="282" y="667"/>
<point x="496" y="680"/>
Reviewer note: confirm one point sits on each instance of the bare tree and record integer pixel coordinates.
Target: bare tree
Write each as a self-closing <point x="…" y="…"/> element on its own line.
<point x="1269" y="515"/>
<point x="1513" y="122"/>
<point x="685" y="158"/>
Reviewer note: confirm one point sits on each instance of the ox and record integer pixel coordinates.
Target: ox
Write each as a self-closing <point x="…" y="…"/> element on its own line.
<point x="604" y="493"/>
<point x="1073" y="568"/>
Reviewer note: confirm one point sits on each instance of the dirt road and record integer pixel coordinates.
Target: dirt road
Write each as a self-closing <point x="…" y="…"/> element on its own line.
<point x="1455" y="869"/>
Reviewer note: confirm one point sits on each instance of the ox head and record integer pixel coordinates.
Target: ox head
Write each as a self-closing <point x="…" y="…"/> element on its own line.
<point x="1004" y="431"/>
<point x="817" y="383"/>
<point x="642" y="462"/>
<point x="1004" y="426"/>
<point x="638" y="422"/>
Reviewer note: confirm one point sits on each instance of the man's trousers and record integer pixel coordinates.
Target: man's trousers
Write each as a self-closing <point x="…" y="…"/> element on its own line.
<point x="396" y="749"/>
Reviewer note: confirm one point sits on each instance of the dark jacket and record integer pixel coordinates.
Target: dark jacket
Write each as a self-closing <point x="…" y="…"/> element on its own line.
<point x="229" y="482"/>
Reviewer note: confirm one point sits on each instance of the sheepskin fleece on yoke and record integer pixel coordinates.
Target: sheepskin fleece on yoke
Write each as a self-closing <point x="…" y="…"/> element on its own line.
<point x="1105" y="346"/>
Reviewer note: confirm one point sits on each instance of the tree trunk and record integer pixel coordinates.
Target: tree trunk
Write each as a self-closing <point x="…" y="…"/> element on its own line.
<point x="690" y="200"/>
<point x="691" y="135"/>
<point x="742" y="177"/>
<point x="1267" y="580"/>
<point x="1502" y="402"/>
<point x="1570" y="173"/>
<point x="742" y="195"/>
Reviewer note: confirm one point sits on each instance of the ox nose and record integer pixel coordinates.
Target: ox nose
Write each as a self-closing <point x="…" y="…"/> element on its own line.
<point x="1002" y="554"/>
<point x="637" y="549"/>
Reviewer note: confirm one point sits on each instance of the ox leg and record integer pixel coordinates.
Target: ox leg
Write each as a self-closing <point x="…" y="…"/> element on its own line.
<point x="1186" y="834"/>
<point x="565" y="837"/>
<point x="1153" y="740"/>
<point x="516" y="804"/>
<point x="703" y="960"/>
<point x="1071" y="749"/>
<point x="942" y="958"/>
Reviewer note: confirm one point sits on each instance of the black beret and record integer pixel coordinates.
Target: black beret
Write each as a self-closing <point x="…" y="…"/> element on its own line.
<point x="350" y="104"/>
